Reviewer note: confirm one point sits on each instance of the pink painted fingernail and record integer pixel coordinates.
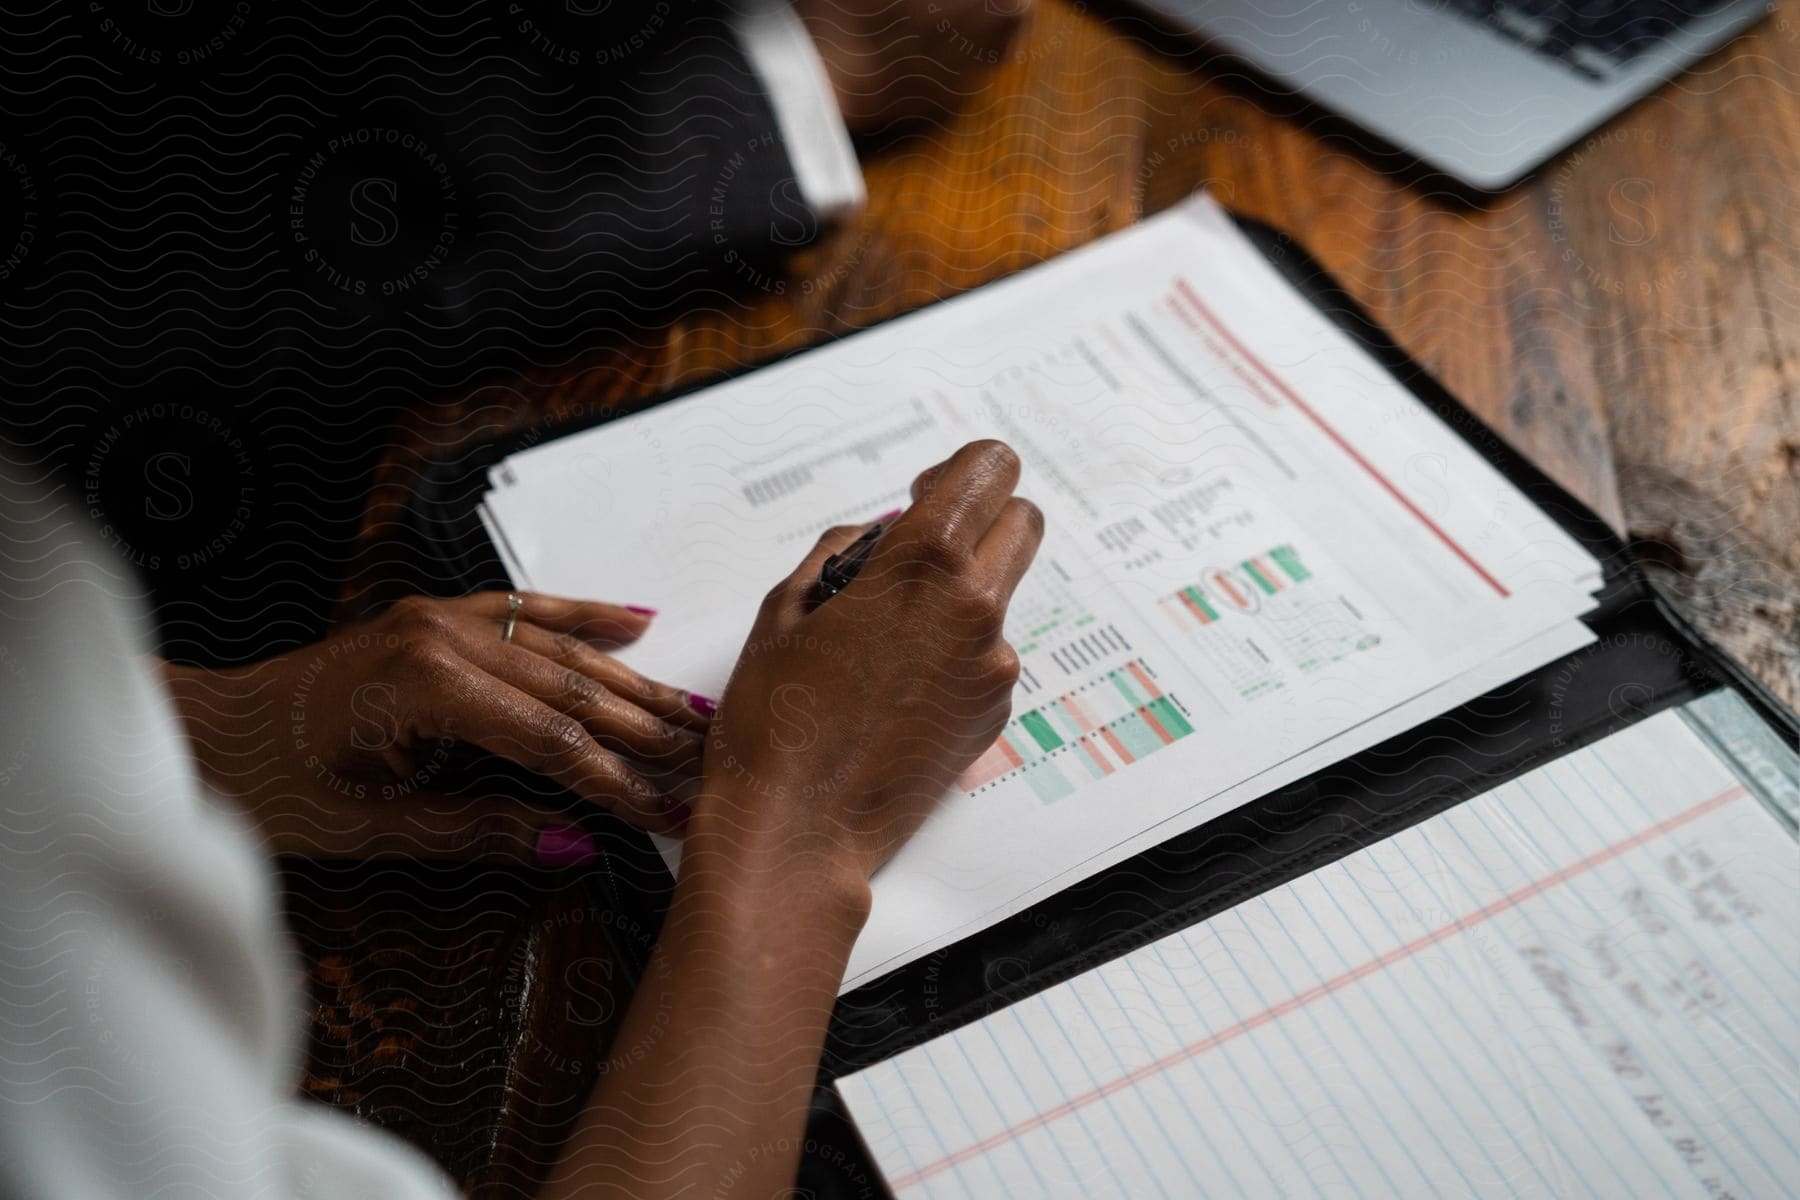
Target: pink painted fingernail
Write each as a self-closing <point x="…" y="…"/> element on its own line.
<point x="640" y="610"/>
<point x="565" y="846"/>
<point x="706" y="706"/>
<point x="885" y="517"/>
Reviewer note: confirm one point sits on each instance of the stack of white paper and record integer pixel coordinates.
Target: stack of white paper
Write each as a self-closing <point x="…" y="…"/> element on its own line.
<point x="1263" y="553"/>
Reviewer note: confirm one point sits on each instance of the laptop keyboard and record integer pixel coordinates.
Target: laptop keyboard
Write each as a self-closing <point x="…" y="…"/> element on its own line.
<point x="1592" y="37"/>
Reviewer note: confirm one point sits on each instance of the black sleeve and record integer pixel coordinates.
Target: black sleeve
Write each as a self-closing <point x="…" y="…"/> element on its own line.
<point x="236" y="238"/>
<point x="656" y="175"/>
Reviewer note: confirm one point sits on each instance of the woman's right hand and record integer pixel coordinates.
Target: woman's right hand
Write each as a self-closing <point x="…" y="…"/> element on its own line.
<point x="842" y="726"/>
<point x="844" y="723"/>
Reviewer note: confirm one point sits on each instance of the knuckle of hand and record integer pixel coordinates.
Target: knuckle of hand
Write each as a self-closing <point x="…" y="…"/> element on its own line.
<point x="622" y="678"/>
<point x="990" y="608"/>
<point x="685" y="742"/>
<point x="938" y="552"/>
<point x="1003" y="666"/>
<point x="565" y="739"/>
<point x="977" y="606"/>
<point x="408" y="608"/>
<point x="631" y="721"/>
<point x="420" y="616"/>
<point x="430" y="660"/>
<point x="624" y="782"/>
<point x="582" y="691"/>
<point x="777" y="597"/>
<point x="663" y="733"/>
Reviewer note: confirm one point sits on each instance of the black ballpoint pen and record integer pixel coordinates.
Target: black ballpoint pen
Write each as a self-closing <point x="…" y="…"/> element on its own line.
<point x="848" y="563"/>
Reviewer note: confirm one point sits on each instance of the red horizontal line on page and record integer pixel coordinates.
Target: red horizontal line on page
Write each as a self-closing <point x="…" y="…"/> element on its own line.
<point x="1187" y="293"/>
<point x="1193" y="324"/>
<point x="1336" y="983"/>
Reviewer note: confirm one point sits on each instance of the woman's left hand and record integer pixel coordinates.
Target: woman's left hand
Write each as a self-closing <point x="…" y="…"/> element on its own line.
<point x="338" y="749"/>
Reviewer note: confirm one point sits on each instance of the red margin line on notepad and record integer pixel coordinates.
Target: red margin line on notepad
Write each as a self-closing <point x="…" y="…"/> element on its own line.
<point x="1193" y="298"/>
<point x="1294" y="1003"/>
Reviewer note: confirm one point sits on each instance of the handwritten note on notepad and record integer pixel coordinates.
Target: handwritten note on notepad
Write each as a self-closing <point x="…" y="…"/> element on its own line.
<point x="1585" y="982"/>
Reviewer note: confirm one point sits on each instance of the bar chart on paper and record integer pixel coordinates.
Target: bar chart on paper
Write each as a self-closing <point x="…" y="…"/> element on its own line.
<point x="1256" y="620"/>
<point x="1051" y="626"/>
<point x="1117" y="717"/>
<point x="1217" y="469"/>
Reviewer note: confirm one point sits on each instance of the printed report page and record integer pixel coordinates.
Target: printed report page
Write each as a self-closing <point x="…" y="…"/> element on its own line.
<point x="1233" y="589"/>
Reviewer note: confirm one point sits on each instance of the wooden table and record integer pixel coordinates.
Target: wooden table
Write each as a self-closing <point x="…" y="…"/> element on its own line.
<point x="1630" y="318"/>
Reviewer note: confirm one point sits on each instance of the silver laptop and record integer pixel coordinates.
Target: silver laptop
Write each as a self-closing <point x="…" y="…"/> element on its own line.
<point x="1482" y="90"/>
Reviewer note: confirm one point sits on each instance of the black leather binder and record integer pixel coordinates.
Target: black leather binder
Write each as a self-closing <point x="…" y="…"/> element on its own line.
<point x="1646" y="658"/>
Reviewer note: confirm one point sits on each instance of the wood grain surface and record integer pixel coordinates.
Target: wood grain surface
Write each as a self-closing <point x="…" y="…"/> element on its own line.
<point x="1630" y="318"/>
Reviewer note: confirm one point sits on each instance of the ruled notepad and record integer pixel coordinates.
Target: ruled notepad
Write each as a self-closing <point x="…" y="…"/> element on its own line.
<point x="1586" y="981"/>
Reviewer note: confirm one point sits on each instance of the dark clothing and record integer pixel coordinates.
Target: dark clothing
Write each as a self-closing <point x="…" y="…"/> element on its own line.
<point x="237" y="238"/>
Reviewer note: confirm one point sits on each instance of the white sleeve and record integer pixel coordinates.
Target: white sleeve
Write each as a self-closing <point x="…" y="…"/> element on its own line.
<point x="145" y="985"/>
<point x="783" y="55"/>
